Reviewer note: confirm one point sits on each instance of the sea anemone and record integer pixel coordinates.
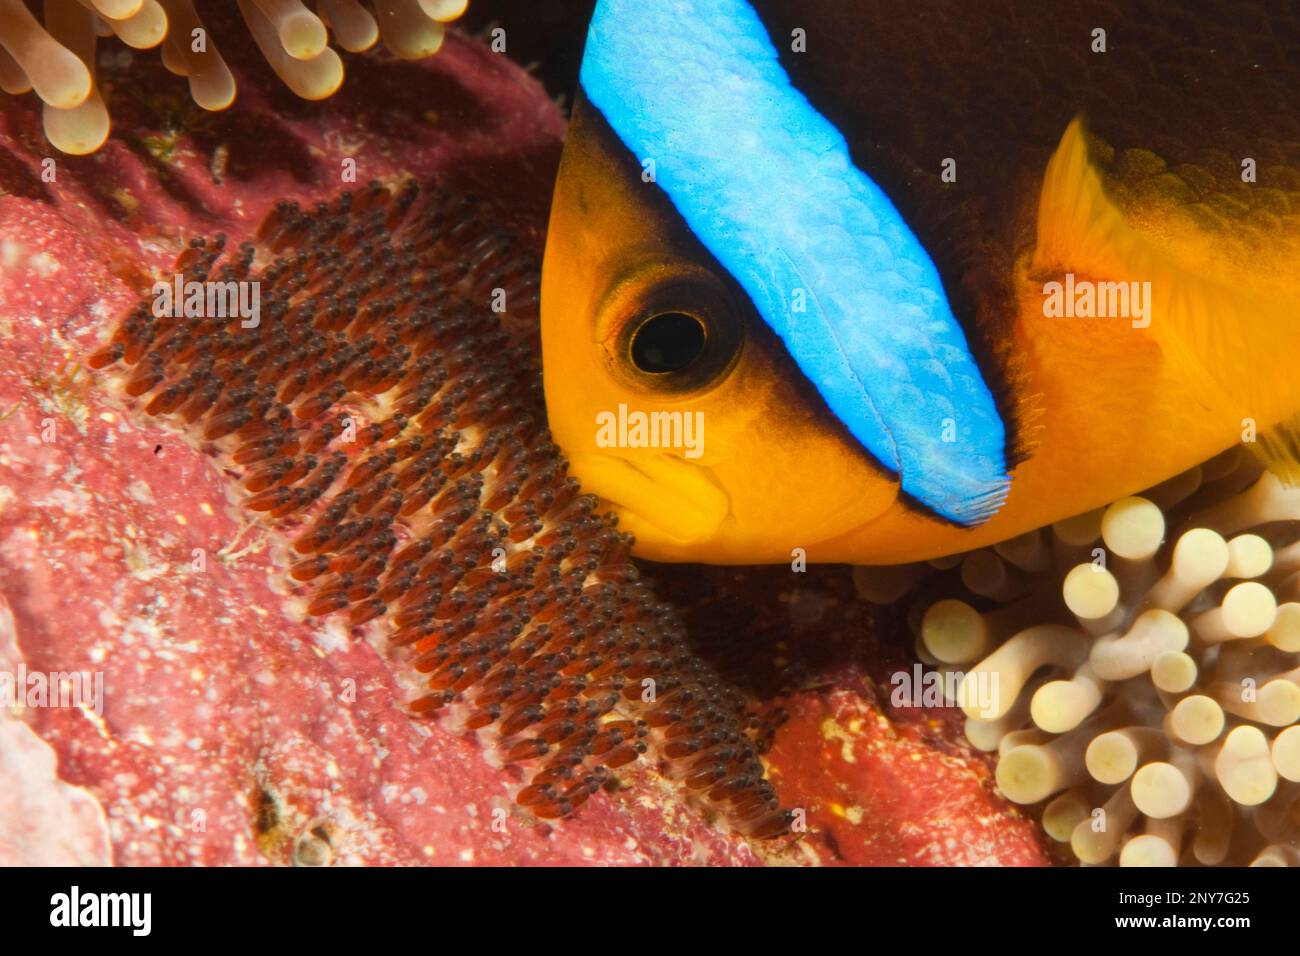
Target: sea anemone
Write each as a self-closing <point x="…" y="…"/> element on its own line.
<point x="1137" y="668"/>
<point x="380" y="415"/>
<point x="58" y="60"/>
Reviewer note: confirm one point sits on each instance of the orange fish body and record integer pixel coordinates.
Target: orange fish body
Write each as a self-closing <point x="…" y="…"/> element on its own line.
<point x="1113" y="219"/>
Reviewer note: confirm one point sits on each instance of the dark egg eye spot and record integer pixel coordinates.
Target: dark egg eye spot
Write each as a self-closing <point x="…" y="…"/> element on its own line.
<point x="667" y="342"/>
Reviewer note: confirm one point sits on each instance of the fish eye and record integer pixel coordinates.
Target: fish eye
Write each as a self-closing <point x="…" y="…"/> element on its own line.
<point x="667" y="342"/>
<point x="674" y="328"/>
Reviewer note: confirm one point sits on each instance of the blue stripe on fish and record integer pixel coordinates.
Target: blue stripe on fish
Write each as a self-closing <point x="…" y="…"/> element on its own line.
<point x="767" y="185"/>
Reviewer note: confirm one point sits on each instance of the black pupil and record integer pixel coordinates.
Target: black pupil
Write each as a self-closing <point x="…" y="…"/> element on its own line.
<point x="668" y="342"/>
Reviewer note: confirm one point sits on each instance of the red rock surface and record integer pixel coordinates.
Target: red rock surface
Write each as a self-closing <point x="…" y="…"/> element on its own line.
<point x="232" y="731"/>
<point x="881" y="793"/>
<point x="881" y="782"/>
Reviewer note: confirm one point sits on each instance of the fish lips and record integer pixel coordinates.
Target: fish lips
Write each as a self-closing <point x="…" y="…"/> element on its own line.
<point x="665" y="501"/>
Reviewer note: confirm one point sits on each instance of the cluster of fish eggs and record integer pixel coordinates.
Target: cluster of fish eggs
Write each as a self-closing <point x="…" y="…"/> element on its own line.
<point x="57" y="58"/>
<point x="386" y="422"/>
<point x="1135" y="669"/>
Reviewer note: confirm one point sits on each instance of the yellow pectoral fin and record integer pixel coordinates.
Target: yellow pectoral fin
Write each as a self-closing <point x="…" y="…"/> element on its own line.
<point x="1232" y="333"/>
<point x="1078" y="226"/>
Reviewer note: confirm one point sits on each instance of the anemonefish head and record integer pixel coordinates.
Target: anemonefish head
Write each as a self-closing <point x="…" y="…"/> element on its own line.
<point x="746" y="348"/>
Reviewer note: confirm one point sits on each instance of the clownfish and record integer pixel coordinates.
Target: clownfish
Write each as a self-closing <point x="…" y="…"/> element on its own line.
<point x="890" y="282"/>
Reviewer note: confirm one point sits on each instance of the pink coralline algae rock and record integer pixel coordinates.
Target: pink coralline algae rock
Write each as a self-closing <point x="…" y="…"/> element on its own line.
<point x="232" y="731"/>
<point x="47" y="822"/>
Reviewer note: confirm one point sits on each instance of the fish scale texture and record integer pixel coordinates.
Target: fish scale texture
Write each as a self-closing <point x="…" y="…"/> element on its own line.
<point x="1170" y="110"/>
<point x="768" y="186"/>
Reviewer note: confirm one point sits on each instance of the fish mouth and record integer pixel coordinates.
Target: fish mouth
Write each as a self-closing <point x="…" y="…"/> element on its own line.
<point x="664" y="501"/>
